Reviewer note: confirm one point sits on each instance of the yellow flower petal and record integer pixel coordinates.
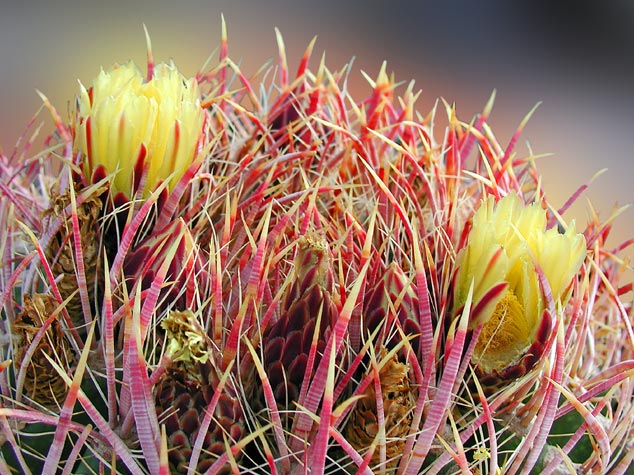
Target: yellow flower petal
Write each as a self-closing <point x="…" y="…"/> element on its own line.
<point x="122" y="117"/>
<point x="507" y="244"/>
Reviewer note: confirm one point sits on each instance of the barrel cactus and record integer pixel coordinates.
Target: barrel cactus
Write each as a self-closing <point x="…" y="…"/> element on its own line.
<point x="263" y="275"/>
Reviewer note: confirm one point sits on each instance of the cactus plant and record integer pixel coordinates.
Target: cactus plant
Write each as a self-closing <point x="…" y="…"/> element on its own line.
<point x="224" y="274"/>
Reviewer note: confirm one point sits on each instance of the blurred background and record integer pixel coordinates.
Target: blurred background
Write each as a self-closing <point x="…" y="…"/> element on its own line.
<point x="575" y="58"/>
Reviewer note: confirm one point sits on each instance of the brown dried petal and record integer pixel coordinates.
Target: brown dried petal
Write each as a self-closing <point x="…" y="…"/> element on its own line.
<point x="399" y="399"/>
<point x="42" y="383"/>
<point x="61" y="252"/>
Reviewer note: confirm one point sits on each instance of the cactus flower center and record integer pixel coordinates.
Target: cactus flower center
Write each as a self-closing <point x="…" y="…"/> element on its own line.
<point x="504" y="336"/>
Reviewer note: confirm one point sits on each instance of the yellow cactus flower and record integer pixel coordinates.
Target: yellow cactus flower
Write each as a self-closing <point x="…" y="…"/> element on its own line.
<point x="126" y="124"/>
<point x="506" y="246"/>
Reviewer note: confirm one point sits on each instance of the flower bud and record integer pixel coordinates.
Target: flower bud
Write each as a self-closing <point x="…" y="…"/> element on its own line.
<point x="139" y="132"/>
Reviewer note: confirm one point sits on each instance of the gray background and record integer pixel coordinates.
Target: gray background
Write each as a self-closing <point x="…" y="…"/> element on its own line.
<point x="577" y="60"/>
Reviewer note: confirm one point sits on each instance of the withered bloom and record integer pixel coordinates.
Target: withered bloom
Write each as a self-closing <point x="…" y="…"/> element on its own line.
<point x="43" y="383"/>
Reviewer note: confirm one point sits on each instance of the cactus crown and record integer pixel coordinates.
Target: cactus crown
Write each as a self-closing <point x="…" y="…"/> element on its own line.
<point x="268" y="275"/>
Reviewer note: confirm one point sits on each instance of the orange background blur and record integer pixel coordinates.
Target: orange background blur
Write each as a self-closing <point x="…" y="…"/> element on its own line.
<point x="578" y="62"/>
